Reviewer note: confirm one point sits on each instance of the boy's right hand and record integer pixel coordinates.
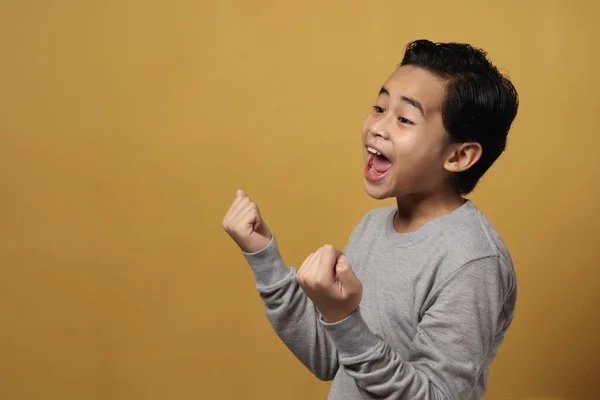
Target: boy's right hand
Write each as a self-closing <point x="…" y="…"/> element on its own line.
<point x="245" y="225"/>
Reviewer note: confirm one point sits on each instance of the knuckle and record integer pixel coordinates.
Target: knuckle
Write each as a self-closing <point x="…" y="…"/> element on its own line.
<point x="329" y="249"/>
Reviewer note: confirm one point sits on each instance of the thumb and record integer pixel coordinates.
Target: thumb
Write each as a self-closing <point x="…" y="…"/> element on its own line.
<point x="344" y="272"/>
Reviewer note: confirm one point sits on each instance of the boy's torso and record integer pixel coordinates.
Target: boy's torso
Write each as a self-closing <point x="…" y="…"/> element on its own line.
<point x="399" y="272"/>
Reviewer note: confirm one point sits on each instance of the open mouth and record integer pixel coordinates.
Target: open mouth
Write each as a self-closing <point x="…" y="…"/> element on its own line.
<point x="377" y="165"/>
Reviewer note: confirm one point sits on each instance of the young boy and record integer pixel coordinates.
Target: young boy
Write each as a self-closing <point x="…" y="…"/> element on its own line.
<point x="421" y="298"/>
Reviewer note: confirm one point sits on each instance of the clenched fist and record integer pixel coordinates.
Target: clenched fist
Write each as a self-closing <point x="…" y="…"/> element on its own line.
<point x="328" y="280"/>
<point x="245" y="225"/>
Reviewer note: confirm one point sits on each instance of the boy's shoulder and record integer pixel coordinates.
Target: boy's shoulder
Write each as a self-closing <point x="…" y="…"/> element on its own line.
<point x="470" y="232"/>
<point x="439" y="249"/>
<point x="467" y="232"/>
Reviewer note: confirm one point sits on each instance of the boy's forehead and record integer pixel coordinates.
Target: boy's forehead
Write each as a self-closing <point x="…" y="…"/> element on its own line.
<point x="418" y="83"/>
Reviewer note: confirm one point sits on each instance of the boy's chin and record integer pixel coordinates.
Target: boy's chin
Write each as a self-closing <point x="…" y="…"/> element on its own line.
<point x="377" y="192"/>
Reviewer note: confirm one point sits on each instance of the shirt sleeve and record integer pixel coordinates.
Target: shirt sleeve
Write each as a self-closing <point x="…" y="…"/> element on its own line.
<point x="457" y="330"/>
<point x="291" y="313"/>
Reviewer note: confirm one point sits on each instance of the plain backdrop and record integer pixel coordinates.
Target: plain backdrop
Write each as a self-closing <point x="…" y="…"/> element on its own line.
<point x="126" y="127"/>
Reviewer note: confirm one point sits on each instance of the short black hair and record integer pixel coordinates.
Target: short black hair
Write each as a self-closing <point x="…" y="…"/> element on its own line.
<point x="480" y="103"/>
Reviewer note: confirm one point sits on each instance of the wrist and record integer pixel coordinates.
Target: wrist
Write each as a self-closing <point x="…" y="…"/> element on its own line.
<point x="333" y="317"/>
<point x="256" y="247"/>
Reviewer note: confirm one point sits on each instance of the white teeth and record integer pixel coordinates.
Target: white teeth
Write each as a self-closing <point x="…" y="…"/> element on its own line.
<point x="372" y="150"/>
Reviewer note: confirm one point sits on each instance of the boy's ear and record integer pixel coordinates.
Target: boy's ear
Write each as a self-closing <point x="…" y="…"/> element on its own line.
<point x="462" y="156"/>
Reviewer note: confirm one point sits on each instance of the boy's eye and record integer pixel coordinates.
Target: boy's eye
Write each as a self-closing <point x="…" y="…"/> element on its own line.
<point x="378" y="110"/>
<point x="405" y="121"/>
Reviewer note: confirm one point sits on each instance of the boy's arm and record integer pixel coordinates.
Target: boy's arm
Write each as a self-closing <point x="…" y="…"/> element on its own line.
<point x="291" y="313"/>
<point x="450" y="348"/>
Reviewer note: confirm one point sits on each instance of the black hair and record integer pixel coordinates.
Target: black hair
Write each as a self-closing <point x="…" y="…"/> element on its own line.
<point x="480" y="103"/>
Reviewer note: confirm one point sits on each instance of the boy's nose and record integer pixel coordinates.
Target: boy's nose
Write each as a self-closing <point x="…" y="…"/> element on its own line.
<point x="378" y="130"/>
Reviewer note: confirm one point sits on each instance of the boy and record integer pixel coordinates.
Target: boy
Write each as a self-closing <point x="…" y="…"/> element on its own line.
<point x="419" y="302"/>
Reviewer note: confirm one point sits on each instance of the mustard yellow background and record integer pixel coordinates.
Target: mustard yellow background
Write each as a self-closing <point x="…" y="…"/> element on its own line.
<point x="127" y="126"/>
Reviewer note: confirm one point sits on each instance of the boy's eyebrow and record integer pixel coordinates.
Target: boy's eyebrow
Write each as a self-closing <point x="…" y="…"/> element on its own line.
<point x="413" y="102"/>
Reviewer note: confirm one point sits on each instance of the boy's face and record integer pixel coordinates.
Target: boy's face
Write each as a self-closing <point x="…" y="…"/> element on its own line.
<point x="406" y="127"/>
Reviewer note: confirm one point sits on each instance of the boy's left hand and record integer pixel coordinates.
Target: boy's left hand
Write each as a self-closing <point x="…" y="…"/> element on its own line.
<point x="335" y="298"/>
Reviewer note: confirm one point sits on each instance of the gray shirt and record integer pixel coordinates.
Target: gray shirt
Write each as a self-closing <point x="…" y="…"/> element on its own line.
<point x="436" y="305"/>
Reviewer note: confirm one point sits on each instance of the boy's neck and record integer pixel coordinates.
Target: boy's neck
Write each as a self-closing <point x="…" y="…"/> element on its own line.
<point x="414" y="211"/>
